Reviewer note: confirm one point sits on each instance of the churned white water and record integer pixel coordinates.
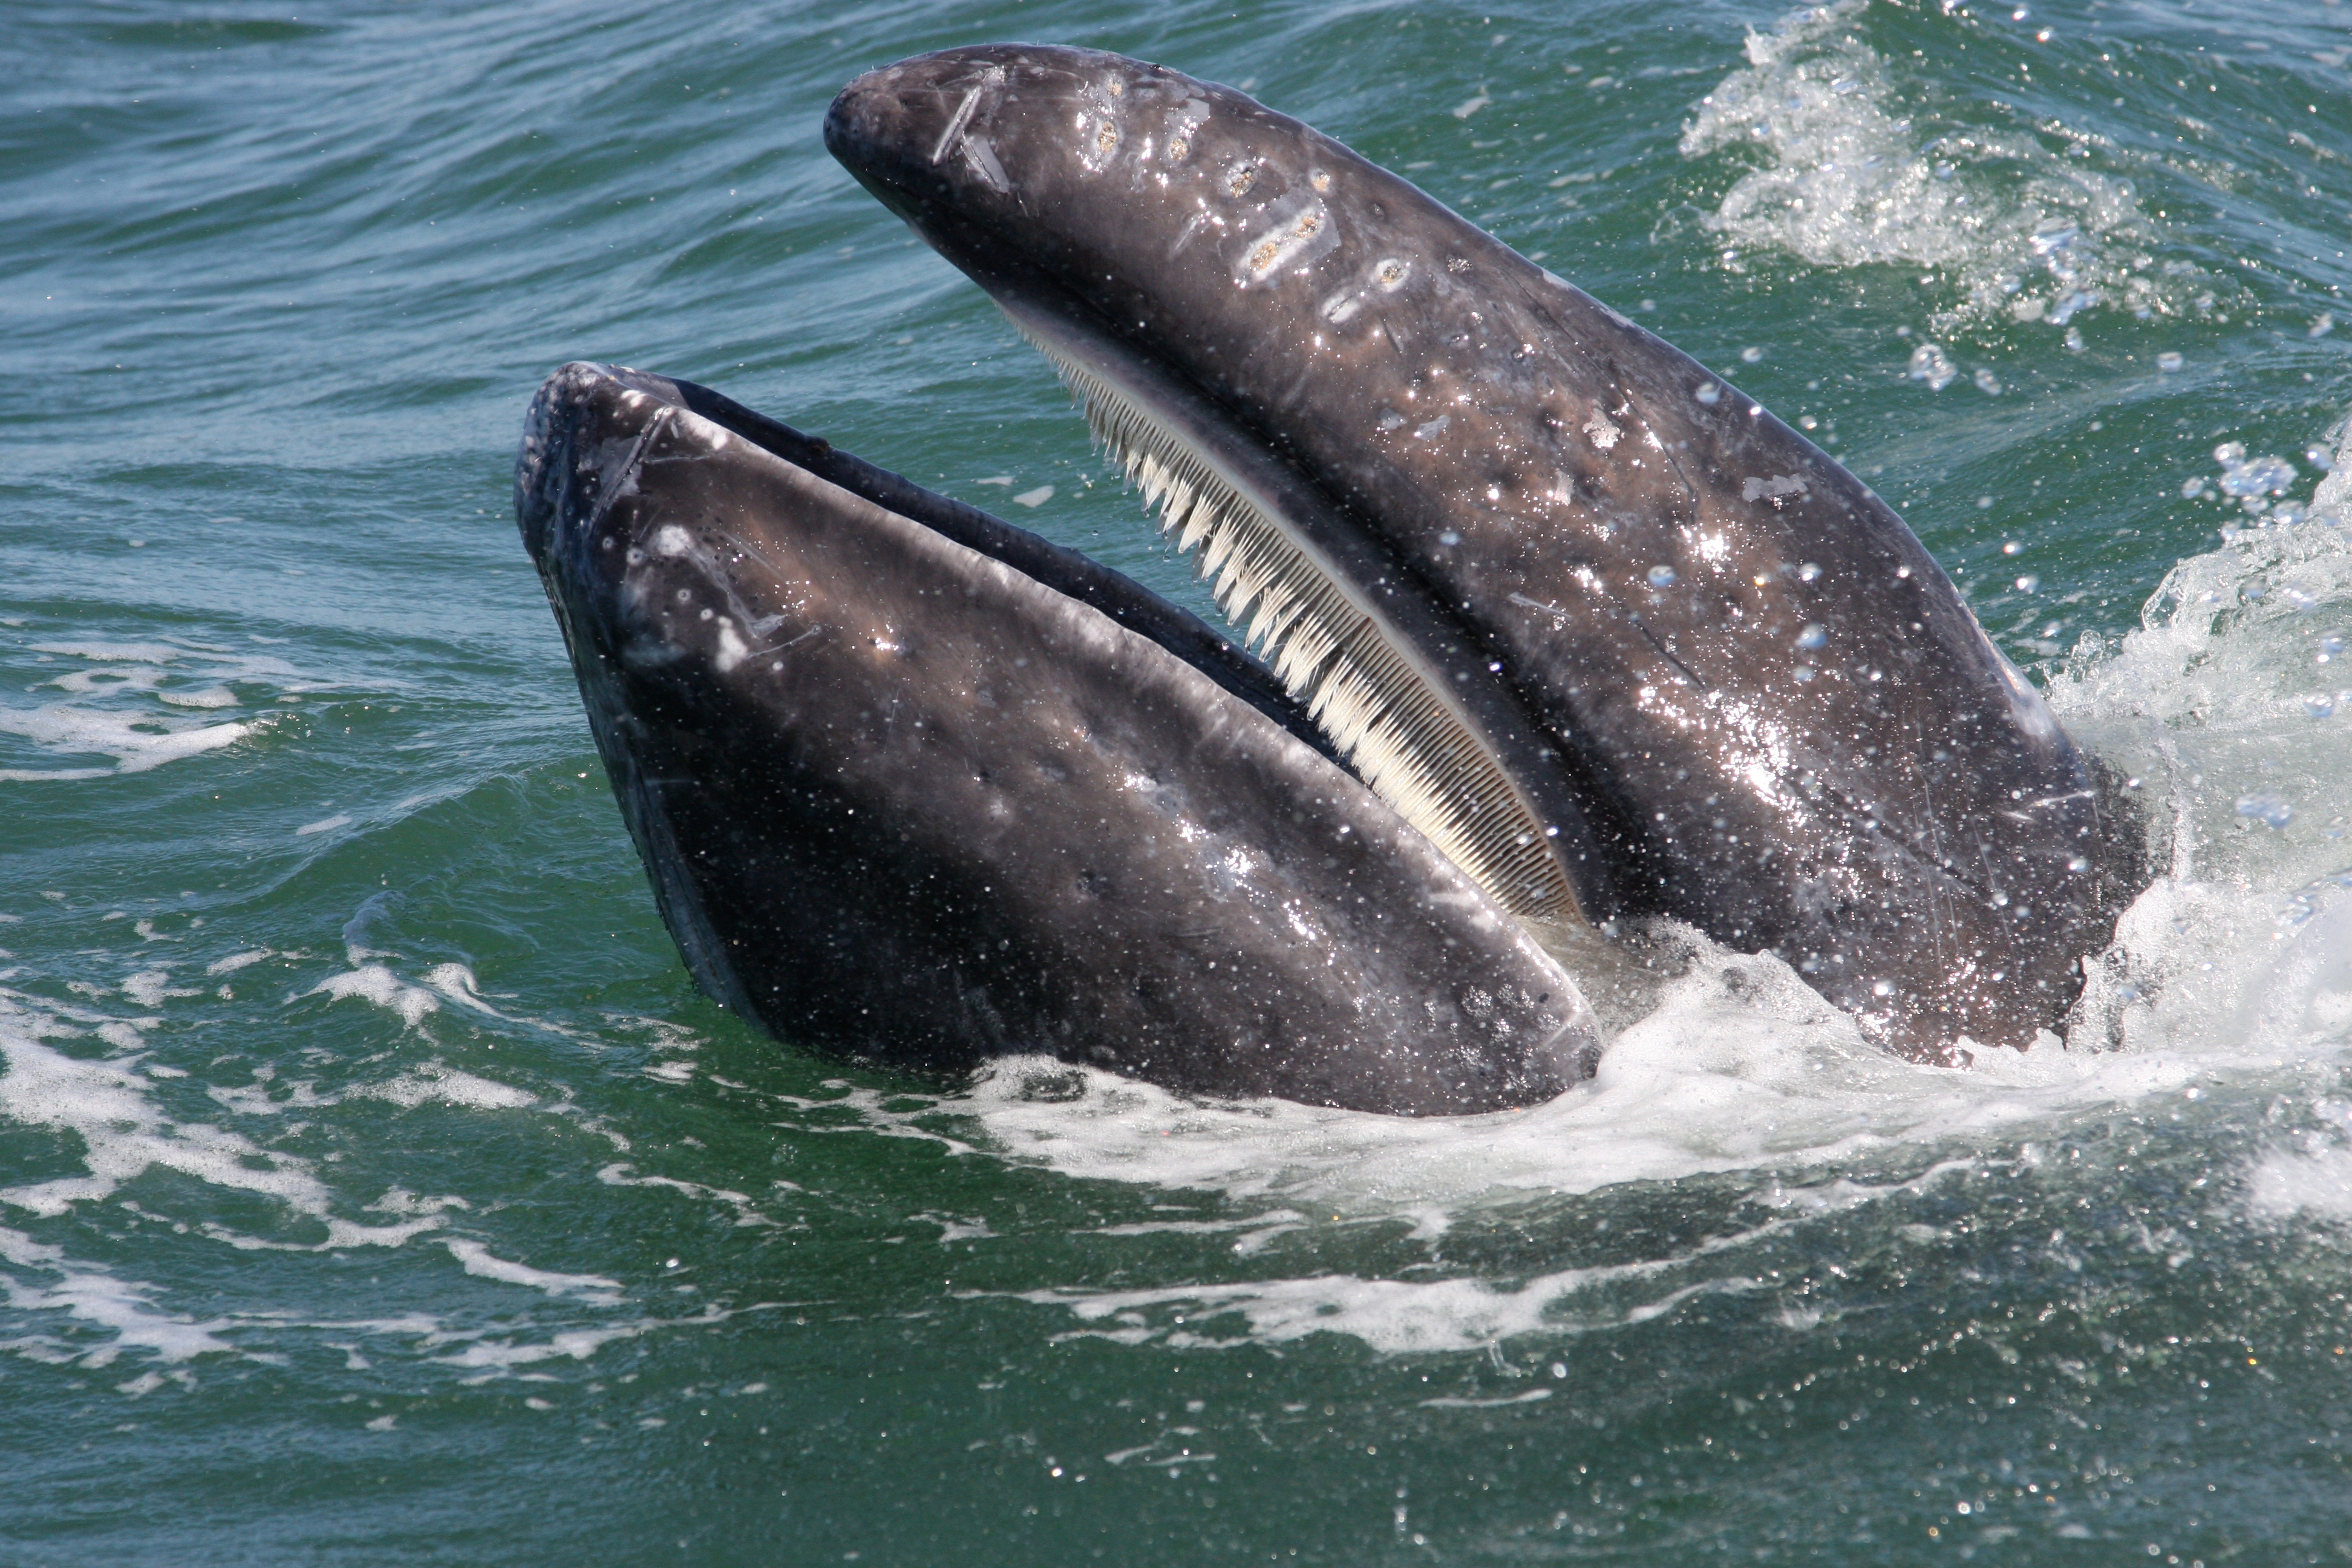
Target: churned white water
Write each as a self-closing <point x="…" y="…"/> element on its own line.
<point x="1852" y="159"/>
<point x="2230" y="976"/>
<point x="108" y="707"/>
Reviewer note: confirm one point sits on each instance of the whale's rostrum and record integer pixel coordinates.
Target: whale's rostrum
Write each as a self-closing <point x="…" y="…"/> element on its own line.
<point x="1609" y="632"/>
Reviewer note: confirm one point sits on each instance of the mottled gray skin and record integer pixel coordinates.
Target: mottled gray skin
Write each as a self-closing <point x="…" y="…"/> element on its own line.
<point x="1894" y="810"/>
<point x="901" y="799"/>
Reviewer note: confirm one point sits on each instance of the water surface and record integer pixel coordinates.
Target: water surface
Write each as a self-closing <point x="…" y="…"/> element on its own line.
<point x="373" y="1185"/>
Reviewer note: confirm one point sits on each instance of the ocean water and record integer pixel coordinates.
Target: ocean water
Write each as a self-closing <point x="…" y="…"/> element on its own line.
<point x="373" y="1185"/>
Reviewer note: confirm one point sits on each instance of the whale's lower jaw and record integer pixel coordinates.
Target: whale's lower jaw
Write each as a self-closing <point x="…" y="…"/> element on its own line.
<point x="901" y="798"/>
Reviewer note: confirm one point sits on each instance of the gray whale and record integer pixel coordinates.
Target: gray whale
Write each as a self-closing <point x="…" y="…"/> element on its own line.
<point x="1549" y="625"/>
<point x="913" y="783"/>
<point x="1615" y="638"/>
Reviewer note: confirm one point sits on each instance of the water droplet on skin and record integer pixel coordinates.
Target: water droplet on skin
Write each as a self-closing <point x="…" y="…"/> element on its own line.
<point x="1449" y="537"/>
<point x="1807" y="572"/>
<point x="1882" y="988"/>
<point x="2319" y="706"/>
<point x="2078" y="864"/>
<point x="1710" y="395"/>
<point x="1662" y="576"/>
<point x="1803" y="673"/>
<point x="1812" y="637"/>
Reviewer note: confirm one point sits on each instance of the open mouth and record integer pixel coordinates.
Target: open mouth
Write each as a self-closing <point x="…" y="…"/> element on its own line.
<point x="1323" y="612"/>
<point x="1591" y="636"/>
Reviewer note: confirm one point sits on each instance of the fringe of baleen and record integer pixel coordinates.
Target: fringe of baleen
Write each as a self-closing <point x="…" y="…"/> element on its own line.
<point x="1404" y="739"/>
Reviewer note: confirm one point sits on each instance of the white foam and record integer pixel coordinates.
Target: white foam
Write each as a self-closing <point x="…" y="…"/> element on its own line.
<point x="341" y="1233"/>
<point x="746" y="1213"/>
<point x="110" y="1107"/>
<point x="479" y="1261"/>
<point x="1449" y="1402"/>
<point x="1855" y="174"/>
<point x="210" y="697"/>
<point x="113" y="652"/>
<point x="122" y="1307"/>
<point x="878" y="1112"/>
<point x="401" y="1200"/>
<point x="124" y="1133"/>
<point x="2316" y="1184"/>
<point x="1394" y="1316"/>
<point x="137" y="742"/>
<point x="150" y="987"/>
<point x="579" y="1344"/>
<point x="374" y="983"/>
<point x="114" y="718"/>
<point x="438" y="1082"/>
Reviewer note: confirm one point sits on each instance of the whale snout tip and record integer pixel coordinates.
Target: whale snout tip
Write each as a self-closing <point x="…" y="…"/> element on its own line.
<point x="905" y="112"/>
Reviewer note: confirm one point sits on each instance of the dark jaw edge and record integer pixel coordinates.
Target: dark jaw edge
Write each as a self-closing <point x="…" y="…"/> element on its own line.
<point x="1065" y="570"/>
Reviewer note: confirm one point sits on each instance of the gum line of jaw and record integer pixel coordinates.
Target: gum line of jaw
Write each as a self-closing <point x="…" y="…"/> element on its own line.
<point x="1398" y="730"/>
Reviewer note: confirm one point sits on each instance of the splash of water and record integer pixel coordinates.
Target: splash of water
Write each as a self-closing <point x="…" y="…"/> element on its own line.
<point x="1849" y="164"/>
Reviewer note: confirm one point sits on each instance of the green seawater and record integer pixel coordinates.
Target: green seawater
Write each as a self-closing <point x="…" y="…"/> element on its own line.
<point x="374" y="1187"/>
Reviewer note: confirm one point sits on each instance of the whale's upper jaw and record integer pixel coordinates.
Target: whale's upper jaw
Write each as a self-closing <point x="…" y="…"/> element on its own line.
<point x="1767" y="709"/>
